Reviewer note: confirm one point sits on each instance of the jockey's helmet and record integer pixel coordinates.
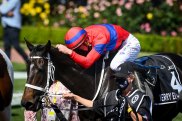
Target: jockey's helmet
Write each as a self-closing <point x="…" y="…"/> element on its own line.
<point x="75" y="37"/>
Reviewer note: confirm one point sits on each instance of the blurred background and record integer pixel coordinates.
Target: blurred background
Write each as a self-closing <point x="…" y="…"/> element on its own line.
<point x="156" y="23"/>
<point x="162" y="17"/>
<point x="153" y="22"/>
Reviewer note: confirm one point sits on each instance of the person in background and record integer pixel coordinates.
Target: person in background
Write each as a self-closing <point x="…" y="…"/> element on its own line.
<point x="97" y="40"/>
<point x="126" y="102"/>
<point x="12" y="26"/>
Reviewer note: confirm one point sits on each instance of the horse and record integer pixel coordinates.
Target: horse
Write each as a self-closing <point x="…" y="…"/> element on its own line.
<point x="6" y="86"/>
<point x="45" y="58"/>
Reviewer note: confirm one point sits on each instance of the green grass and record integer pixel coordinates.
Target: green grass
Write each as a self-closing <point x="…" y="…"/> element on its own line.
<point x="19" y="67"/>
<point x="17" y="113"/>
<point x="19" y="85"/>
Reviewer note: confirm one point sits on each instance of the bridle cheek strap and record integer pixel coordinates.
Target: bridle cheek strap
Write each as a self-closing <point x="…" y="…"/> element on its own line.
<point x="50" y="75"/>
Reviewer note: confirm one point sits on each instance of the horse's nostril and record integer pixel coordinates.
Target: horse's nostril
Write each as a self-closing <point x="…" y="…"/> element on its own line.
<point x="26" y="104"/>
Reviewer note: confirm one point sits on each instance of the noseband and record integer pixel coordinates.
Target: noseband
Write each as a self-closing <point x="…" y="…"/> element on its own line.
<point x="50" y="74"/>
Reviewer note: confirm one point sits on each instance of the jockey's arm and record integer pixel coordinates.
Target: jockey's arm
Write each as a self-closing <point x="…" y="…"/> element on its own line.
<point x="86" y="61"/>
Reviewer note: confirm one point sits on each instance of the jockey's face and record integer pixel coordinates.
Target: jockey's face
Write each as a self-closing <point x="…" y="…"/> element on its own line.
<point x="85" y="46"/>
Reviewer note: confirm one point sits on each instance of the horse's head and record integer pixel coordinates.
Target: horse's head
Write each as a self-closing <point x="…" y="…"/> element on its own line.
<point x="37" y="81"/>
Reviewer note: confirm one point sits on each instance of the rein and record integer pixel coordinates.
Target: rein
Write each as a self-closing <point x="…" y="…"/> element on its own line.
<point x="101" y="76"/>
<point x="50" y="74"/>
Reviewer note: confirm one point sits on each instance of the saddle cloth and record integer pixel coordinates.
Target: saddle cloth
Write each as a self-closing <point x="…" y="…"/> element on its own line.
<point x="168" y="85"/>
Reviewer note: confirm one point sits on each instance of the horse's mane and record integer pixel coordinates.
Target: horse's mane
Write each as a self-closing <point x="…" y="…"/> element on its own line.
<point x="70" y="74"/>
<point x="54" y="52"/>
<point x="55" y="55"/>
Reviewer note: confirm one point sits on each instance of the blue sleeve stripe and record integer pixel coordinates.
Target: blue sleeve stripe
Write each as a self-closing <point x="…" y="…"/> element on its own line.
<point x="76" y="37"/>
<point x="113" y="36"/>
<point x="100" y="48"/>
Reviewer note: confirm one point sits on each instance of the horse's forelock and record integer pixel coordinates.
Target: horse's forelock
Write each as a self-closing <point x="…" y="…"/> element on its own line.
<point x="38" y="51"/>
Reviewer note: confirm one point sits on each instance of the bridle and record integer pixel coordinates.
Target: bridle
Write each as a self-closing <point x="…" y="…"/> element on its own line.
<point x="50" y="74"/>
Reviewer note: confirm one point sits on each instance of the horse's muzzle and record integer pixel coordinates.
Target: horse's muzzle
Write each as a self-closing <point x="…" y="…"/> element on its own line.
<point x="29" y="105"/>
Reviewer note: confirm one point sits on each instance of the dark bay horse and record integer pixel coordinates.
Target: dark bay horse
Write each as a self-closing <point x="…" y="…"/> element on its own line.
<point x="43" y="59"/>
<point x="6" y="86"/>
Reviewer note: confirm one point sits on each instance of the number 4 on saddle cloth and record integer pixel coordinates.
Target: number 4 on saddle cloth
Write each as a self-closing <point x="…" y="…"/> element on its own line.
<point x="165" y="78"/>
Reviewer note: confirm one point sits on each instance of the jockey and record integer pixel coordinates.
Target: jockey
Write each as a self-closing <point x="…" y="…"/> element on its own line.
<point x="98" y="39"/>
<point x="127" y="102"/>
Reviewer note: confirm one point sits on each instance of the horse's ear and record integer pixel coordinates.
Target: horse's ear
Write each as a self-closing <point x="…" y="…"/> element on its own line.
<point x="48" y="46"/>
<point x="29" y="45"/>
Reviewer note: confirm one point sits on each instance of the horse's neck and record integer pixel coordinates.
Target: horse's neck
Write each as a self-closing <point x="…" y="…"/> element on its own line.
<point x="73" y="77"/>
<point x="79" y="80"/>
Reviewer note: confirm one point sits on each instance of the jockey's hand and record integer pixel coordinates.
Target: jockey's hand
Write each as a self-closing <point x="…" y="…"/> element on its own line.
<point x="64" y="49"/>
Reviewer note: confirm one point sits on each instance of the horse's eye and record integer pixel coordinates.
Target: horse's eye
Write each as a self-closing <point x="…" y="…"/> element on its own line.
<point x="40" y="61"/>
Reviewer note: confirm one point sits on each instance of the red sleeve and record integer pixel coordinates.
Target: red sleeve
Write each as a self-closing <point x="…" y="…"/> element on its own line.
<point x="86" y="61"/>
